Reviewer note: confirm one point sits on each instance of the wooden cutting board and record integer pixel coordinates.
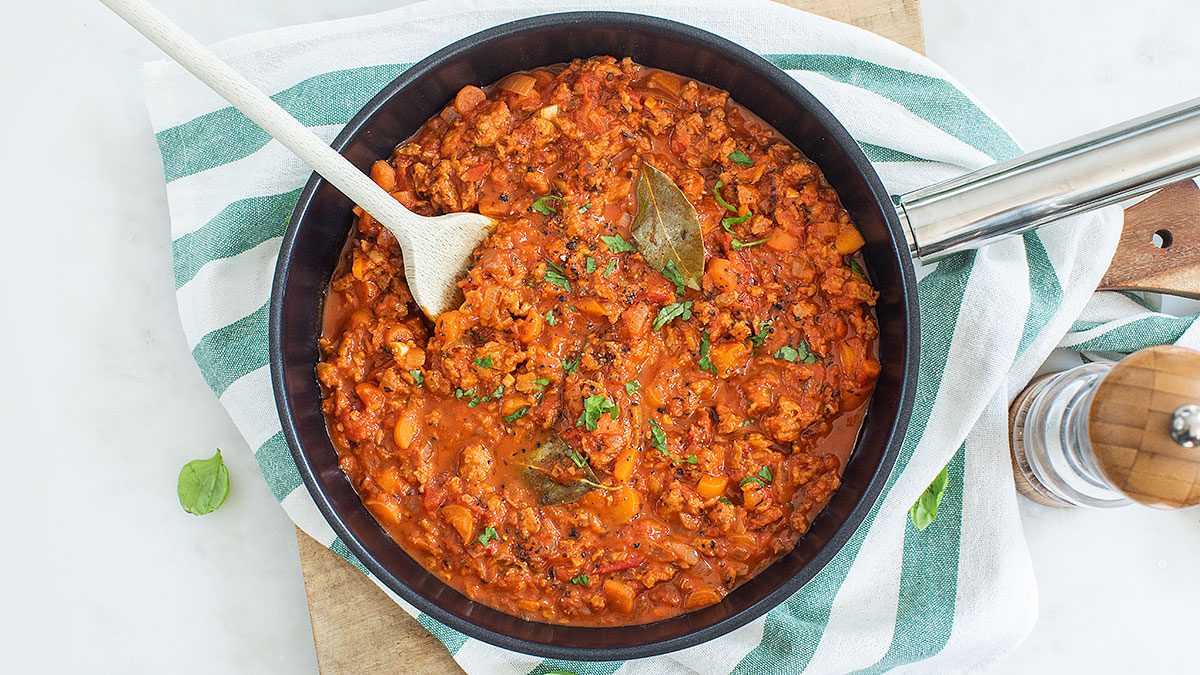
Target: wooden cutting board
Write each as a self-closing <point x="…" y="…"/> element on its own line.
<point x="356" y="627"/>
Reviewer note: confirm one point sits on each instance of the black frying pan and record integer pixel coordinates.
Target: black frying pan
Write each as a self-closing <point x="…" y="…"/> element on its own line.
<point x="322" y="221"/>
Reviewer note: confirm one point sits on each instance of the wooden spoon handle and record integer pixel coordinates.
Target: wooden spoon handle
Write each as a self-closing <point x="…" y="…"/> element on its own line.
<point x="259" y="107"/>
<point x="1160" y="246"/>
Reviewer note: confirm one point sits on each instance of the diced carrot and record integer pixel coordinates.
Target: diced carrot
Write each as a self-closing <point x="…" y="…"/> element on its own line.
<point x="781" y="240"/>
<point x="619" y="594"/>
<point x="389" y="479"/>
<point x="385" y="510"/>
<point x="712" y="486"/>
<point x="702" y="597"/>
<point x="384" y="175"/>
<point x="752" y="494"/>
<point x="467" y="98"/>
<point x="848" y="240"/>
<point x="626" y="503"/>
<point x="729" y="356"/>
<point x="592" y="308"/>
<point x="623" y="466"/>
<point x="461" y="520"/>
<point x="668" y="82"/>
<point x="721" y="275"/>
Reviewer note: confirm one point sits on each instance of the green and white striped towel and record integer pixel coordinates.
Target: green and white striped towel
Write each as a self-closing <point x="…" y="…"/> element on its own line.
<point x="956" y="597"/>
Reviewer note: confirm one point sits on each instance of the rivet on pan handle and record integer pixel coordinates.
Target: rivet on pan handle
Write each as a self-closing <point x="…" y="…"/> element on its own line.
<point x="1026" y="192"/>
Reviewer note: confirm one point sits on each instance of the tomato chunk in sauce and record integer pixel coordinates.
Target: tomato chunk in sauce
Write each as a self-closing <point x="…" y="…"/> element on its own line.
<point x="708" y="442"/>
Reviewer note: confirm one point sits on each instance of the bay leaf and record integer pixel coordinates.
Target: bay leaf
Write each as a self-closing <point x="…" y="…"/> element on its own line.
<point x="559" y="474"/>
<point x="666" y="228"/>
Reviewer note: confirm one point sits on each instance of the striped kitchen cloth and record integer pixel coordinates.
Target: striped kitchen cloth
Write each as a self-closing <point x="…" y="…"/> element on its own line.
<point x="955" y="597"/>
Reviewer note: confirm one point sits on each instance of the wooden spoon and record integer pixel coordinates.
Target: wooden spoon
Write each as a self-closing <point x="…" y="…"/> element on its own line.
<point x="436" y="250"/>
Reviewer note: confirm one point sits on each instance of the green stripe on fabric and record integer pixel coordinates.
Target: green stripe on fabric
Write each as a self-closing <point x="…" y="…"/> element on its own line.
<point x="277" y="466"/>
<point x="226" y="135"/>
<point x="932" y="99"/>
<point x="238" y="228"/>
<point x="928" y="580"/>
<point x="577" y="667"/>
<point x="339" y="547"/>
<point x="231" y="352"/>
<point x="1135" y="335"/>
<point x="879" y="153"/>
<point x="453" y="639"/>
<point x="1045" y="291"/>
<point x="794" y="629"/>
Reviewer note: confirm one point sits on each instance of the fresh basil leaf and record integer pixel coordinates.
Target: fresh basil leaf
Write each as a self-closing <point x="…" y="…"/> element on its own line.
<point x="692" y="459"/>
<point x="631" y="388"/>
<point x="677" y="310"/>
<point x="579" y="459"/>
<point x="580" y="579"/>
<point x="589" y="264"/>
<point x="550" y="318"/>
<point x="925" y="509"/>
<point x="484" y="362"/>
<point x="617" y="244"/>
<point x="545" y="204"/>
<point x="572" y="365"/>
<point x="203" y="485"/>
<point x="542" y="382"/>
<point x="765" y="474"/>
<point x="418" y="377"/>
<point x="584" y="208"/>
<point x="741" y="159"/>
<point x="666" y="227"/>
<point x="806" y="355"/>
<point x="854" y="267"/>
<point x="787" y="353"/>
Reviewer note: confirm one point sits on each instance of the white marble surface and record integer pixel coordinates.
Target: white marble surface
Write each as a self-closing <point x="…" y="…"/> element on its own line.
<point x="102" y="572"/>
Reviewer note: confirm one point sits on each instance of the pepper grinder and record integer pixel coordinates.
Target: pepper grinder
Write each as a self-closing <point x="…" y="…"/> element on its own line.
<point x="1107" y="435"/>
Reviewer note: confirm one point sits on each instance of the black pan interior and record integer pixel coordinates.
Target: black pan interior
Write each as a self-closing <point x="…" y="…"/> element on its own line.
<point x="321" y="222"/>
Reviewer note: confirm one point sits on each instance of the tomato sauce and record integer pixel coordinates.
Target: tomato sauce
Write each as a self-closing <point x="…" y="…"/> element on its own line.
<point x="697" y="449"/>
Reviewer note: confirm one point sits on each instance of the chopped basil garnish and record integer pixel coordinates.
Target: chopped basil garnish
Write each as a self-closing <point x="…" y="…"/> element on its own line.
<point x="418" y="377"/>
<point x="720" y="199"/>
<point x="791" y="354"/>
<point x="577" y="458"/>
<point x="545" y="205"/>
<point x="739" y="245"/>
<point x="705" y="362"/>
<point x="484" y="362"/>
<point x="631" y="388"/>
<point x="557" y="276"/>
<point x="517" y="414"/>
<point x="854" y="267"/>
<point x="550" y="318"/>
<point x="489" y="533"/>
<point x="692" y="459"/>
<point x="571" y="365"/>
<point x="584" y="208"/>
<point x="764" y="329"/>
<point x="741" y="159"/>
<point x="608" y="269"/>
<point x="765" y="474"/>
<point x="542" y="382"/>
<point x="580" y="579"/>
<point x="617" y="244"/>
<point x="671" y="272"/>
<point x="677" y="310"/>
<point x="658" y="438"/>
<point x="735" y="220"/>
<point x="593" y="408"/>
<point x="589" y="264"/>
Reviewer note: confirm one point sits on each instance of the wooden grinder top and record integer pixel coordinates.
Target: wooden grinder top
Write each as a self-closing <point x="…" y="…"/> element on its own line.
<point x="1129" y="425"/>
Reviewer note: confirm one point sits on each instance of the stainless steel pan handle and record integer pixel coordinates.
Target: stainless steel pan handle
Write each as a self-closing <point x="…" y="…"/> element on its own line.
<point x="1088" y="172"/>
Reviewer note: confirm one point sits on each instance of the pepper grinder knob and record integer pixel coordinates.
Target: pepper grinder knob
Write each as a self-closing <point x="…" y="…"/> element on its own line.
<point x="1185" y="425"/>
<point x="1144" y="423"/>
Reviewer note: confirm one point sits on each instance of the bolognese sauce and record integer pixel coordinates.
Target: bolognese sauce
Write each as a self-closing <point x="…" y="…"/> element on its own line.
<point x="588" y="439"/>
